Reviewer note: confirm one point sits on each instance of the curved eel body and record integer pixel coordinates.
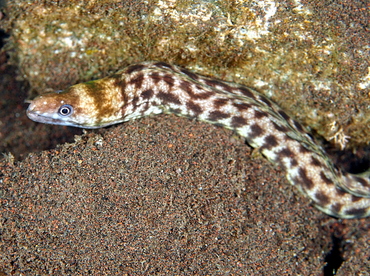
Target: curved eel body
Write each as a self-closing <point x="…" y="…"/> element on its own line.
<point x="156" y="87"/>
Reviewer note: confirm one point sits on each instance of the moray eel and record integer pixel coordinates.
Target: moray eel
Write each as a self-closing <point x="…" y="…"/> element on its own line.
<point x="156" y="87"/>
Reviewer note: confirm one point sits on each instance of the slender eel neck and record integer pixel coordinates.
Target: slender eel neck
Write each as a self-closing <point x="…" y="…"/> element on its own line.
<point x="155" y="87"/>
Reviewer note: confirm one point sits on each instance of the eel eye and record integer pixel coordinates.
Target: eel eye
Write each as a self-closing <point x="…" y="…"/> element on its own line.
<point x="65" y="110"/>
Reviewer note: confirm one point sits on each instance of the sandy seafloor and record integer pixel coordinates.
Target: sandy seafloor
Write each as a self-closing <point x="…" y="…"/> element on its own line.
<point x="169" y="196"/>
<point x="156" y="196"/>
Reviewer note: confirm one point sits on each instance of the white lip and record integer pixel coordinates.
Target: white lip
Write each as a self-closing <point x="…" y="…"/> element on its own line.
<point x="42" y="119"/>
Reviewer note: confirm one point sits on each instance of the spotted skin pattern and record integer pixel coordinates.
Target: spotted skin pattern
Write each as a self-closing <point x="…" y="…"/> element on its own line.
<point x="156" y="87"/>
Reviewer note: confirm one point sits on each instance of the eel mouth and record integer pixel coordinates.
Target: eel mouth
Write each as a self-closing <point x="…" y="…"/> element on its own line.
<point x="39" y="118"/>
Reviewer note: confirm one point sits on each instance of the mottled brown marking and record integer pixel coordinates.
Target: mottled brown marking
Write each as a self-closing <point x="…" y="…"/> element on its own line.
<point x="134" y="102"/>
<point x="168" y="98"/>
<point x="279" y="127"/>
<point x="298" y="126"/>
<point x="121" y="84"/>
<point x="303" y="149"/>
<point x="256" y="131"/>
<point x="356" y="198"/>
<point x="169" y="80"/>
<point x="163" y="64"/>
<point x="336" y="207"/>
<point x="270" y="142"/>
<point x="156" y="77"/>
<point x="322" y="199"/>
<point x="340" y="192"/>
<point x="265" y="100"/>
<point x="189" y="74"/>
<point x="246" y="92"/>
<point x="217" y="115"/>
<point x="186" y="86"/>
<point x="101" y="100"/>
<point x="238" y="121"/>
<point x="357" y="212"/>
<point x="326" y="180"/>
<point x="260" y="114"/>
<point x="147" y="94"/>
<point x="284" y="115"/>
<point x="219" y="85"/>
<point x="286" y="152"/>
<point x="137" y="81"/>
<point x="360" y="180"/>
<point x="145" y="107"/>
<point x="242" y="106"/>
<point x="194" y="107"/>
<point x="315" y="162"/>
<point x="220" y="102"/>
<point x="306" y="182"/>
<point x="135" y="68"/>
<point x="293" y="162"/>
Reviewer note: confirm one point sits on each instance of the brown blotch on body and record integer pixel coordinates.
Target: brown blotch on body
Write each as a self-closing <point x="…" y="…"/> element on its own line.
<point x="147" y="94"/>
<point x="270" y="142"/>
<point x="134" y="102"/>
<point x="217" y="115"/>
<point x="306" y="182"/>
<point x="326" y="180"/>
<point x="357" y="212"/>
<point x="135" y="68"/>
<point x="194" y="107"/>
<point x="336" y="208"/>
<point x="340" y="192"/>
<point x="280" y="128"/>
<point x="220" y="84"/>
<point x="163" y="64"/>
<point x="284" y="115"/>
<point x="189" y="74"/>
<point x="96" y="90"/>
<point x="356" y="198"/>
<point x="137" y="81"/>
<point x="238" y="121"/>
<point x="168" y="98"/>
<point x="186" y="86"/>
<point x="121" y="84"/>
<point x="286" y="152"/>
<point x="169" y="80"/>
<point x="260" y="114"/>
<point x="256" y="131"/>
<point x="265" y="100"/>
<point x="242" y="106"/>
<point x="298" y="126"/>
<point x="322" y="199"/>
<point x="361" y="180"/>
<point x="246" y="92"/>
<point x="293" y="162"/>
<point x="145" y="108"/>
<point x="315" y="162"/>
<point x="156" y="77"/>
<point x="220" y="102"/>
<point x="303" y="149"/>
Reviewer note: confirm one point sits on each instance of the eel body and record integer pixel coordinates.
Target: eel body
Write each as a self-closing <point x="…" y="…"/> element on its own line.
<point x="156" y="87"/>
